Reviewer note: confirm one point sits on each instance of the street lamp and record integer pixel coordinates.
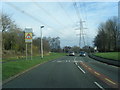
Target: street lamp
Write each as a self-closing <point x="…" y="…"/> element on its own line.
<point x="41" y="42"/>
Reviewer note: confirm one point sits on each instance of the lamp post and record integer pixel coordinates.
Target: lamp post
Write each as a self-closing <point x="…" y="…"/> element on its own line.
<point x="41" y="42"/>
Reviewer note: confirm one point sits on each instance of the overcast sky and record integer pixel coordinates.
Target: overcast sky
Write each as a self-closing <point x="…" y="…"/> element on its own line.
<point x="60" y="18"/>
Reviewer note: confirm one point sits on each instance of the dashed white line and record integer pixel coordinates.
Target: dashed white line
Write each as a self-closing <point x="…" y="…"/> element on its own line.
<point x="81" y="61"/>
<point x="81" y="69"/>
<point x="59" y="61"/>
<point x="99" y="86"/>
<point x="76" y="63"/>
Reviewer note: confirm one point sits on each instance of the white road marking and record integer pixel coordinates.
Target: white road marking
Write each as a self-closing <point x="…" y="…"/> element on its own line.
<point x="73" y="61"/>
<point x="81" y="61"/>
<point x="114" y="66"/>
<point x="66" y="60"/>
<point x="75" y="58"/>
<point x="59" y="61"/>
<point x="99" y="86"/>
<point x="81" y="69"/>
<point x="76" y="63"/>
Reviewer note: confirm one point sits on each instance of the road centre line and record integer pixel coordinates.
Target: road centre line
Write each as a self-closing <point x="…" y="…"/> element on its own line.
<point x="81" y="69"/>
<point x="99" y="86"/>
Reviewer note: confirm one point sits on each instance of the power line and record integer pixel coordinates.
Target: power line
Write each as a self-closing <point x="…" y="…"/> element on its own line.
<point x="22" y="11"/>
<point x="77" y="10"/>
<point x="48" y="13"/>
<point x="65" y="12"/>
<point x="70" y="19"/>
<point x="34" y="18"/>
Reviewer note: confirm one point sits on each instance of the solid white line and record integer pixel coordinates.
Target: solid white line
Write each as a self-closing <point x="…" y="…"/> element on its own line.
<point x="81" y="69"/>
<point x="114" y="66"/>
<point x="99" y="86"/>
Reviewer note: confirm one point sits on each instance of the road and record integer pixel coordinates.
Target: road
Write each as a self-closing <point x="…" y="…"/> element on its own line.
<point x="68" y="72"/>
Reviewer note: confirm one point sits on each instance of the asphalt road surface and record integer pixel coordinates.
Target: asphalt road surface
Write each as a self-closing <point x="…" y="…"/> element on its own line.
<point x="68" y="72"/>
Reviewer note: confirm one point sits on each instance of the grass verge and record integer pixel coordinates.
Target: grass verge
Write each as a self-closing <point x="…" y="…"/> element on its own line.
<point x="109" y="55"/>
<point x="12" y="68"/>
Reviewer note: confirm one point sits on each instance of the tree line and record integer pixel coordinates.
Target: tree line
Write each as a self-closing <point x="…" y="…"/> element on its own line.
<point x="108" y="37"/>
<point x="13" y="39"/>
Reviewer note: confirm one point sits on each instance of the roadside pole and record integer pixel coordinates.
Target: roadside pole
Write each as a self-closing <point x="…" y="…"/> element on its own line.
<point x="41" y="45"/>
<point x="41" y="42"/>
<point x="26" y="51"/>
<point x="31" y="51"/>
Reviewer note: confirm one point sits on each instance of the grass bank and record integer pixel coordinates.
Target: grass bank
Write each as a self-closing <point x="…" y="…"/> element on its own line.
<point x="12" y="68"/>
<point x="109" y="55"/>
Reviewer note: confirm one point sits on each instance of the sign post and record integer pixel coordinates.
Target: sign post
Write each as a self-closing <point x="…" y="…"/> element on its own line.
<point x="28" y="39"/>
<point x="26" y="51"/>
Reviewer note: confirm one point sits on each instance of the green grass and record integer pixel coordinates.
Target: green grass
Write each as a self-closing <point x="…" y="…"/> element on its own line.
<point x="12" y="68"/>
<point x="109" y="55"/>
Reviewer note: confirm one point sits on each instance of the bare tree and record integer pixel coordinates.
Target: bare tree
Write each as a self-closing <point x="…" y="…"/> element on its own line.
<point x="107" y="37"/>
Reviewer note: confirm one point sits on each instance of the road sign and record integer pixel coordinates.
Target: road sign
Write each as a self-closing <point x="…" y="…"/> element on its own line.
<point x="28" y="39"/>
<point x="28" y="35"/>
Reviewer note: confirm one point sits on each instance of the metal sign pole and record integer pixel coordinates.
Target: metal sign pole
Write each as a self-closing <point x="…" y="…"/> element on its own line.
<point x="31" y="51"/>
<point x="26" y="51"/>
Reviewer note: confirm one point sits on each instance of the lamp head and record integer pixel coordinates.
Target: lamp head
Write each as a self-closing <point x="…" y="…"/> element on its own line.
<point x="42" y="26"/>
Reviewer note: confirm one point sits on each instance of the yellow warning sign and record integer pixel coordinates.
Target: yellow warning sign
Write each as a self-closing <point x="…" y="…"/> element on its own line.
<point x="28" y="37"/>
